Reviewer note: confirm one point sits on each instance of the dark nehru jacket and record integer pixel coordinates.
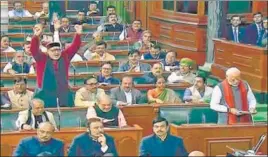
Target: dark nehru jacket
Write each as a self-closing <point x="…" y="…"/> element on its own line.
<point x="85" y="145"/>
<point x="112" y="114"/>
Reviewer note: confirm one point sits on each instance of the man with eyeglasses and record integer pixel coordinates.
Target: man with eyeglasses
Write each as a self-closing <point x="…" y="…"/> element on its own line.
<point x="32" y="117"/>
<point x="52" y="69"/>
<point x="43" y="142"/>
<point x="105" y="77"/>
<point x="111" y="115"/>
<point x="86" y="96"/>
<point x="94" y="142"/>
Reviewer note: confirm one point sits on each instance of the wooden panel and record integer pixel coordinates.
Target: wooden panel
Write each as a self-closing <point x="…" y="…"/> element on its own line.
<point x="141" y="12"/>
<point x="215" y="146"/>
<point x="142" y="115"/>
<point x="126" y="139"/>
<point x="211" y="139"/>
<point x="251" y="60"/>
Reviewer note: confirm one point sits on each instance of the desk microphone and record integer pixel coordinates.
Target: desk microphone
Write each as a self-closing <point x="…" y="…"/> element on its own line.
<point x="203" y="118"/>
<point x="20" y="28"/>
<point x="74" y="73"/>
<point x="59" y="113"/>
<point x="7" y="57"/>
<point x="127" y="45"/>
<point x="91" y="20"/>
<point x="87" y="67"/>
<point x="113" y="37"/>
<point x="251" y="115"/>
<point x="260" y="142"/>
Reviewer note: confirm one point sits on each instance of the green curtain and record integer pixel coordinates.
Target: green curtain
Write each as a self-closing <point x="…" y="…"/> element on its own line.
<point x="56" y="6"/>
<point x="238" y="7"/>
<point x="120" y="10"/>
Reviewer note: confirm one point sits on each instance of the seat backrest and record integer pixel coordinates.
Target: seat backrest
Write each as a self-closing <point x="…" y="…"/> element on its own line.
<point x="188" y="115"/>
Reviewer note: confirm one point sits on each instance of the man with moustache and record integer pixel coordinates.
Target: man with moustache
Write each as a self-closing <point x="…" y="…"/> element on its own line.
<point x="126" y="94"/>
<point x="100" y="54"/>
<point x="52" y="69"/>
<point x="43" y="142"/>
<point x="232" y="96"/>
<point x="86" y="96"/>
<point x="132" y="33"/>
<point x="162" y="143"/>
<point x="113" y="25"/>
<point x="94" y="142"/>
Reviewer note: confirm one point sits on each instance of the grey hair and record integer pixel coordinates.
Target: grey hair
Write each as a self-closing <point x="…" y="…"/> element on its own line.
<point x="37" y="100"/>
<point x="232" y="70"/>
<point x="47" y="122"/>
<point x="102" y="96"/>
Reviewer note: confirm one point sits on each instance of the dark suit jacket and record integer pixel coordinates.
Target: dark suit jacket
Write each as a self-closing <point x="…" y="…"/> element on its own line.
<point x="84" y="145"/>
<point x="230" y="34"/>
<point x="251" y="35"/>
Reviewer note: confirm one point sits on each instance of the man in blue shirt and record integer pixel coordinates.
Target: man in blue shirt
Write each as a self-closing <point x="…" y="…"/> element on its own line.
<point x="162" y="143"/>
<point x="151" y="77"/>
<point x="155" y="53"/>
<point x="43" y="142"/>
<point x="93" y="142"/>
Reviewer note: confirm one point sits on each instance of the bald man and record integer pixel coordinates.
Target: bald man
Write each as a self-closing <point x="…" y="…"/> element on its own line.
<point x="111" y="116"/>
<point x="231" y="97"/>
<point x="43" y="142"/>
<point x="30" y="119"/>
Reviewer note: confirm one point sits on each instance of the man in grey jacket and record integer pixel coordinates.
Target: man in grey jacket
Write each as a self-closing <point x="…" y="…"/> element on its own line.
<point x="133" y="64"/>
<point x="125" y="94"/>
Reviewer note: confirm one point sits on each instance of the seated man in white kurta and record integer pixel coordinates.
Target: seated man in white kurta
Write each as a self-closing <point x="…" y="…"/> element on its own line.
<point x="199" y="92"/>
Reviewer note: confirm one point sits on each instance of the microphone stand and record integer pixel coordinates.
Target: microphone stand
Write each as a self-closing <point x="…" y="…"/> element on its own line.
<point x="59" y="113"/>
<point x="74" y="75"/>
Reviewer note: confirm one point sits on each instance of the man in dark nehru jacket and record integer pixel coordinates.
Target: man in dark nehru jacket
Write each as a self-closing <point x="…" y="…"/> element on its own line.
<point x="52" y="68"/>
<point x="162" y="143"/>
<point x="94" y="142"/>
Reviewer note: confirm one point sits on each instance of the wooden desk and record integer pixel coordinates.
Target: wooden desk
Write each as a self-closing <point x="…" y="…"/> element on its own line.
<point x="142" y="115"/>
<point x="251" y="60"/>
<point x="127" y="140"/>
<point x="212" y="139"/>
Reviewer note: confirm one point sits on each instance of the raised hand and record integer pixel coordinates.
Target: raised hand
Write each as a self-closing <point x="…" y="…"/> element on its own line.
<point x="78" y="28"/>
<point x="57" y="25"/>
<point x="38" y="29"/>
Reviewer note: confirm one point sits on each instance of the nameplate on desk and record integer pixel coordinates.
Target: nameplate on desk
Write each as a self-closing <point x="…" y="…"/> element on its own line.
<point x="199" y="125"/>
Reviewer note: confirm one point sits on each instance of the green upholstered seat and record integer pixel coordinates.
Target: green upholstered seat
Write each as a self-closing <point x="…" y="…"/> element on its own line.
<point x="261" y="115"/>
<point x="188" y="115"/>
<point x="70" y="118"/>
